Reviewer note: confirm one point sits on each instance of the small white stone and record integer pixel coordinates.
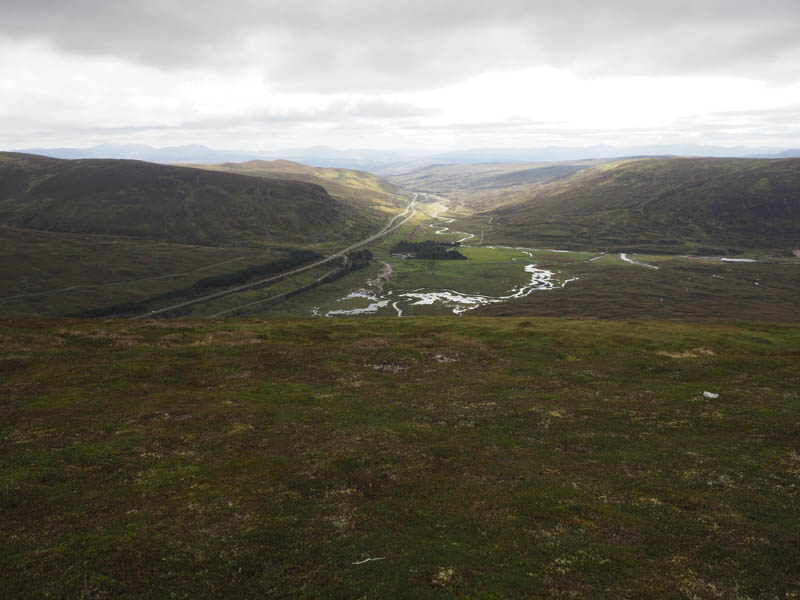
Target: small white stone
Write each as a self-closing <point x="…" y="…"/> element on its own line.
<point x="711" y="395"/>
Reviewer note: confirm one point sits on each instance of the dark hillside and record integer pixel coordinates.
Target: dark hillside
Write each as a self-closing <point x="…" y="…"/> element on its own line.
<point x="164" y="203"/>
<point x="674" y="204"/>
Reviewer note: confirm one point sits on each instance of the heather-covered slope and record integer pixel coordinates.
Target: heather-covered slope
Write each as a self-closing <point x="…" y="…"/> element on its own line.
<point x="167" y="203"/>
<point x="669" y="204"/>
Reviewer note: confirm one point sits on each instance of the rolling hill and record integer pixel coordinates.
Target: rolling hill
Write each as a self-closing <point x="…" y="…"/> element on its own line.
<point x="458" y="179"/>
<point x="703" y="205"/>
<point x="85" y="235"/>
<point x="362" y="189"/>
<point x="171" y="203"/>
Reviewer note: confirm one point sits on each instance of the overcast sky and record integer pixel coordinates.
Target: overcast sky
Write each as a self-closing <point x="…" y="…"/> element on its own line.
<point x="408" y="74"/>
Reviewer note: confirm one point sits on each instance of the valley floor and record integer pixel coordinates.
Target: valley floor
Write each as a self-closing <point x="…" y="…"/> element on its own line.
<point x="402" y="458"/>
<point x="518" y="281"/>
<point x="65" y="274"/>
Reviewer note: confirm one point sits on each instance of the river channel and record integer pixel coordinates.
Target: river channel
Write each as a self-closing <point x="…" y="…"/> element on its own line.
<point x="376" y="299"/>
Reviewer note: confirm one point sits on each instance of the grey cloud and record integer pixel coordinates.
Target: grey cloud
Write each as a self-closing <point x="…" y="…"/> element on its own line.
<point x="777" y="122"/>
<point x="378" y="109"/>
<point x="504" y="126"/>
<point x="349" y="111"/>
<point x="778" y="126"/>
<point x="369" y="46"/>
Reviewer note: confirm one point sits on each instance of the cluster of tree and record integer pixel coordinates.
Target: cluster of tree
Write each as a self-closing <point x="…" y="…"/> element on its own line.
<point x="357" y="259"/>
<point x="429" y="250"/>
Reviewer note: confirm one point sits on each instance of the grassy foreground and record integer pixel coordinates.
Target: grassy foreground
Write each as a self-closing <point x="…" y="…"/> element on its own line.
<point x="475" y="457"/>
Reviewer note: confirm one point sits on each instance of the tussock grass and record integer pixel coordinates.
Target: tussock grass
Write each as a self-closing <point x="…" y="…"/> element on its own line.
<point x="266" y="458"/>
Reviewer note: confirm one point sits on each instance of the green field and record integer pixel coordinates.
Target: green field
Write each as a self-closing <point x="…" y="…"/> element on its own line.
<point x="488" y="271"/>
<point x="478" y="458"/>
<point x="476" y="277"/>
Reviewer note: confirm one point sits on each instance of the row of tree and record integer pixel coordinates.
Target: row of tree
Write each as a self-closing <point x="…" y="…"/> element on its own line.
<point x="294" y="259"/>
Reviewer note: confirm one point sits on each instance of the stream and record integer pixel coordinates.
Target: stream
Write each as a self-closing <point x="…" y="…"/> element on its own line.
<point x="376" y="299"/>
<point x="458" y="302"/>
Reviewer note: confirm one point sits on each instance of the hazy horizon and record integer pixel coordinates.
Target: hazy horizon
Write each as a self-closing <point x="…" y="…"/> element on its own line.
<point x="417" y="77"/>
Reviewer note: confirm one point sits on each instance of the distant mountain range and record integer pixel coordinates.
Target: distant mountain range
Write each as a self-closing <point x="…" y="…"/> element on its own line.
<point x="319" y="156"/>
<point x="172" y="154"/>
<point x="386" y="162"/>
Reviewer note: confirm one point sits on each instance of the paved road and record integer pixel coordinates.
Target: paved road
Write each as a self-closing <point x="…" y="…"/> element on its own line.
<point x="394" y="223"/>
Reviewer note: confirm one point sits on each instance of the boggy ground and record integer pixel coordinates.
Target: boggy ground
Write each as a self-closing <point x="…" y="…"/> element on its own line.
<point x="475" y="457"/>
